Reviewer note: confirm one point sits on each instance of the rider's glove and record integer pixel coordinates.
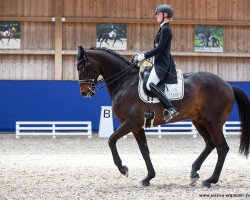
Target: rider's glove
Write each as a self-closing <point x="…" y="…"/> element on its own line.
<point x="139" y="57"/>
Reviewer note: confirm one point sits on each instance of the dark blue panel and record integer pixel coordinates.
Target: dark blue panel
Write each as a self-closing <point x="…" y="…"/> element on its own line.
<point x="57" y="101"/>
<point x="47" y="100"/>
<point x="245" y="86"/>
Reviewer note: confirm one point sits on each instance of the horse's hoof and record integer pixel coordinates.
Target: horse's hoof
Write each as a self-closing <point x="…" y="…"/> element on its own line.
<point x="193" y="180"/>
<point x="144" y="183"/>
<point x="206" y="184"/>
<point x="124" y="170"/>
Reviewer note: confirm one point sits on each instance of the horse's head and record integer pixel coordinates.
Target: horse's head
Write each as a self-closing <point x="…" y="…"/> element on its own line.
<point x="88" y="73"/>
<point x="101" y="64"/>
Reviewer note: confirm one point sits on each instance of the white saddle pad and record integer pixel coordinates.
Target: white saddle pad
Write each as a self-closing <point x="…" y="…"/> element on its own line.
<point x="172" y="91"/>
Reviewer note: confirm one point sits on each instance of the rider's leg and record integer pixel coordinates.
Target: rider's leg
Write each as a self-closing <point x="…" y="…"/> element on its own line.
<point x="151" y="85"/>
<point x="153" y="78"/>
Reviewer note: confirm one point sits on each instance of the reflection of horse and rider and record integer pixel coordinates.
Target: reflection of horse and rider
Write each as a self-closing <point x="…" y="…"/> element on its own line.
<point x="112" y="34"/>
<point x="207" y="37"/>
<point x="8" y="34"/>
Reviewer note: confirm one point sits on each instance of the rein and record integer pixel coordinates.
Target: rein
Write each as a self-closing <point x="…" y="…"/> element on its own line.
<point x="116" y="76"/>
<point x="108" y="80"/>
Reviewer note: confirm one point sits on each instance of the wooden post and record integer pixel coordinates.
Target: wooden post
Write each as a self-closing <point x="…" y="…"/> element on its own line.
<point x="58" y="40"/>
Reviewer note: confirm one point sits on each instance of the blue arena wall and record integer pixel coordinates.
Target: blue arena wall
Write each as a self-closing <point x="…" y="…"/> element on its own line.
<point x="58" y="101"/>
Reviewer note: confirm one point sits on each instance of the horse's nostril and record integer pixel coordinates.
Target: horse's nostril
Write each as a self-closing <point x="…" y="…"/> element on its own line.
<point x="83" y="93"/>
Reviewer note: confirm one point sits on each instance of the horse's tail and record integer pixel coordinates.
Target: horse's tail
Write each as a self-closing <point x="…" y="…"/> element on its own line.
<point x="244" y="113"/>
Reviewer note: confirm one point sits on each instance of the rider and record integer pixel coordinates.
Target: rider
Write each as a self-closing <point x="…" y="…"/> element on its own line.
<point x="164" y="66"/>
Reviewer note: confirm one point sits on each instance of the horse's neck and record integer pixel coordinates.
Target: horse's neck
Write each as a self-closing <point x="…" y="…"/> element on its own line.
<point x="120" y="82"/>
<point x="113" y="70"/>
<point x="120" y="87"/>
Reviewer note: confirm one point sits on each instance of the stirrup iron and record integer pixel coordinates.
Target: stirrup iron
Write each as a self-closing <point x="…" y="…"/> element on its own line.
<point x="169" y="114"/>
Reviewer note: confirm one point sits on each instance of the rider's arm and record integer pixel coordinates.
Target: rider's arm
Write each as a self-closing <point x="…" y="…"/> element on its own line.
<point x="165" y="33"/>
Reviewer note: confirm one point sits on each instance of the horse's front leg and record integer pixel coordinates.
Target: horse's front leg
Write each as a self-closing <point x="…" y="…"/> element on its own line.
<point x="142" y="142"/>
<point x="123" y="130"/>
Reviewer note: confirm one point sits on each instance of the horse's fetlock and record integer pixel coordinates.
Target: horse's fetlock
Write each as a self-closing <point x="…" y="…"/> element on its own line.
<point x="151" y="174"/>
<point x="195" y="168"/>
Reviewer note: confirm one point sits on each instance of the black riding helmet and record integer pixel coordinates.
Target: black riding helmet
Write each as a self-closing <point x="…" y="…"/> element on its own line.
<point x="165" y="9"/>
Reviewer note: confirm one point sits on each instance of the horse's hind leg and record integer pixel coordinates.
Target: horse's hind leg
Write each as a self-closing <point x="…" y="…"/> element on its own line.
<point x="222" y="148"/>
<point x="201" y="128"/>
<point x="142" y="142"/>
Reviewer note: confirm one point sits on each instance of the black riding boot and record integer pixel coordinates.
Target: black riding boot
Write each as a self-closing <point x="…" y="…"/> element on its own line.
<point x="169" y="112"/>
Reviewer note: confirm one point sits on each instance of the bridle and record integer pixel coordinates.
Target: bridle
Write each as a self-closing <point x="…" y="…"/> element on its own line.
<point x="84" y="65"/>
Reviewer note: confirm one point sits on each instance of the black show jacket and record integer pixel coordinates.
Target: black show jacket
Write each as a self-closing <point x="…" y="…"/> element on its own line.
<point x="164" y="63"/>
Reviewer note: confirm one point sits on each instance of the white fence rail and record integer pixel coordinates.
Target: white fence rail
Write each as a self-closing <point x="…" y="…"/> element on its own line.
<point x="54" y="128"/>
<point x="232" y="128"/>
<point x="178" y="128"/>
<point x="80" y="128"/>
<point x="187" y="128"/>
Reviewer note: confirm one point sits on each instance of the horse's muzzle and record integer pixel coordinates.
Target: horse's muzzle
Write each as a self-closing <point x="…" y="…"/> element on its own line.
<point x="87" y="94"/>
<point x="87" y="89"/>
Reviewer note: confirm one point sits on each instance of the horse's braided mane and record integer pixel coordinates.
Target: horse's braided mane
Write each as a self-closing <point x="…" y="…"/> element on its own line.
<point x="112" y="52"/>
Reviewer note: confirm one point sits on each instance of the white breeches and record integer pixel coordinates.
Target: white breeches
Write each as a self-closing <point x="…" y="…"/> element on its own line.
<point x="153" y="78"/>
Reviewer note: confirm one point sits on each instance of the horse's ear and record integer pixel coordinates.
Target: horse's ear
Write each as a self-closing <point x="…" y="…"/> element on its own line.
<point x="80" y="54"/>
<point x="80" y="47"/>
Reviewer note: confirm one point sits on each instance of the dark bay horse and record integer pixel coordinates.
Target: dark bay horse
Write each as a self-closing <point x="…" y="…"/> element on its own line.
<point x="208" y="101"/>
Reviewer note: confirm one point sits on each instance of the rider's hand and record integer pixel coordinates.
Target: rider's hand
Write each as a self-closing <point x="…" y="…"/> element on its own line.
<point x="139" y="57"/>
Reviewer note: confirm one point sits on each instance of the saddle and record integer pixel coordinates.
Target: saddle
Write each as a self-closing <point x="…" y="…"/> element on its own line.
<point x="172" y="91"/>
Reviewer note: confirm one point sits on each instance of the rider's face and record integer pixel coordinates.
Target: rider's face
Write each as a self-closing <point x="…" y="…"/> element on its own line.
<point x="159" y="17"/>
